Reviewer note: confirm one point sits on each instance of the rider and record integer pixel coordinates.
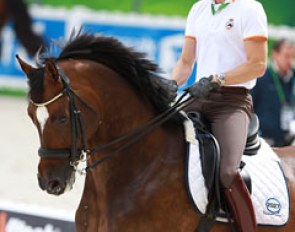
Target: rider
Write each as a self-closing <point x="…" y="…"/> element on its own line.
<point x="228" y="39"/>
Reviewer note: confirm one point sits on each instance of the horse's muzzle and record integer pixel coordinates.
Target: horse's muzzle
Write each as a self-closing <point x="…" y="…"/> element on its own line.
<point x="52" y="186"/>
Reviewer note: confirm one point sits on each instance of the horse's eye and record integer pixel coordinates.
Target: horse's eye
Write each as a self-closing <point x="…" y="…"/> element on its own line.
<point x="62" y="120"/>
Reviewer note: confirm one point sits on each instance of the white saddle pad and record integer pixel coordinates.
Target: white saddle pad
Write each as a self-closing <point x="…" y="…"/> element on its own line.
<point x="270" y="193"/>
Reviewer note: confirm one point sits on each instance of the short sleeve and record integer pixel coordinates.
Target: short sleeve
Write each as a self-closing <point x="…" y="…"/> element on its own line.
<point x="189" y="29"/>
<point x="255" y="22"/>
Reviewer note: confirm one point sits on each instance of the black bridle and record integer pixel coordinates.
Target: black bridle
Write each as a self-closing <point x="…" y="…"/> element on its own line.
<point x="75" y="154"/>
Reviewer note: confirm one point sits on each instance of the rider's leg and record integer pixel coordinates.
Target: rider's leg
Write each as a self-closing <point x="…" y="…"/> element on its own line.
<point x="230" y="129"/>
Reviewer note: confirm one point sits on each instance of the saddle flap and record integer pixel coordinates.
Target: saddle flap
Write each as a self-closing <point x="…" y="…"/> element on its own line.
<point x="209" y="156"/>
<point x="270" y="195"/>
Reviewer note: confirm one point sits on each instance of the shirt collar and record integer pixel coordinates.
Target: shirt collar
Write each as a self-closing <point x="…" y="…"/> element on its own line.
<point x="226" y="1"/>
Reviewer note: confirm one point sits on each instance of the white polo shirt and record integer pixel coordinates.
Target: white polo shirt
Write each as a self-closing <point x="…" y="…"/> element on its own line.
<point x="220" y="37"/>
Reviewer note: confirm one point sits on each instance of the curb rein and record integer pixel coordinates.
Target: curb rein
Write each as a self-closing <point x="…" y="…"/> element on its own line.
<point x="77" y="155"/>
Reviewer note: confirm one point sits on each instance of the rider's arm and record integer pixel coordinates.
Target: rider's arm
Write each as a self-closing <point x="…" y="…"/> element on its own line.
<point x="255" y="65"/>
<point x="183" y="68"/>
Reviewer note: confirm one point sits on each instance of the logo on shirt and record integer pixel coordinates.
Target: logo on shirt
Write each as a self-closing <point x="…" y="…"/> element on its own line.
<point x="229" y="24"/>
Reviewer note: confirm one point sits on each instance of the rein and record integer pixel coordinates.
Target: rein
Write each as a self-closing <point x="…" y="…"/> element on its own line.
<point x="77" y="155"/>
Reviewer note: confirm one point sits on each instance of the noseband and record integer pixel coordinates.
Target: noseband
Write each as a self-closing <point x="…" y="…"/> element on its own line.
<point x="75" y="154"/>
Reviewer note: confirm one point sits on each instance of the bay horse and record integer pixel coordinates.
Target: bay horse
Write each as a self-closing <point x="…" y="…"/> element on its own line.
<point x="96" y="96"/>
<point x="17" y="12"/>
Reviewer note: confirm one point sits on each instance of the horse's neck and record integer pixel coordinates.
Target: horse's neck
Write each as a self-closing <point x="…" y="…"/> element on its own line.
<point x="138" y="179"/>
<point x="140" y="172"/>
<point x="123" y="111"/>
<point x="142" y="168"/>
<point x="143" y="159"/>
<point x="122" y="108"/>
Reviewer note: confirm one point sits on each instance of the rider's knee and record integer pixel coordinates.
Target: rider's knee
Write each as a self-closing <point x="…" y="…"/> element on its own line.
<point x="227" y="176"/>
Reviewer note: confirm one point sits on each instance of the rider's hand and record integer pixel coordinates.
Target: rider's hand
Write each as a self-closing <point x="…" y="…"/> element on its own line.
<point x="169" y="86"/>
<point x="173" y="88"/>
<point x="202" y="88"/>
<point x="172" y="85"/>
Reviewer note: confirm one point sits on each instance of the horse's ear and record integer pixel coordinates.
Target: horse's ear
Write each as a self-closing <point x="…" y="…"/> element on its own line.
<point x="51" y="70"/>
<point x="24" y="66"/>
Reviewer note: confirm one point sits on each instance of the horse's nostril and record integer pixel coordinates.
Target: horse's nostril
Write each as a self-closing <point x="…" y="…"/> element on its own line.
<point x="54" y="187"/>
<point x="53" y="183"/>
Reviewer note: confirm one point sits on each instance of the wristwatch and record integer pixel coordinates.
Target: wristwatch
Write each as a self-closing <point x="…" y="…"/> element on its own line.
<point x="221" y="79"/>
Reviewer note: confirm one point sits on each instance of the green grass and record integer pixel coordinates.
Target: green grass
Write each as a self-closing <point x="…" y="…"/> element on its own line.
<point x="13" y="92"/>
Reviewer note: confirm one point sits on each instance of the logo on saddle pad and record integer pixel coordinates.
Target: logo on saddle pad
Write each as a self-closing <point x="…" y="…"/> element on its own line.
<point x="273" y="206"/>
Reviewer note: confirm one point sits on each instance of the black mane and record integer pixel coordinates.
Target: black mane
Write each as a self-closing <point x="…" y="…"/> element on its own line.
<point x="130" y="64"/>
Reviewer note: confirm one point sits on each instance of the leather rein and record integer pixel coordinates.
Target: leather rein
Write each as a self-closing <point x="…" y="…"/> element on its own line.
<point x="77" y="154"/>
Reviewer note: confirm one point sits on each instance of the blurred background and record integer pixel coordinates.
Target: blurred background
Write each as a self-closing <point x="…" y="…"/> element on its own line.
<point x="151" y="26"/>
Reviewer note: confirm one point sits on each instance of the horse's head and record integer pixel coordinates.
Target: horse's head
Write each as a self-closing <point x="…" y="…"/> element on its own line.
<point x="53" y="110"/>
